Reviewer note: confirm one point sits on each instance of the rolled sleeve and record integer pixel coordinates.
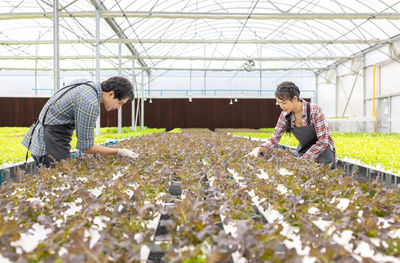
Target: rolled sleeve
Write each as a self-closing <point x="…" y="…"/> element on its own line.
<point x="85" y="121"/>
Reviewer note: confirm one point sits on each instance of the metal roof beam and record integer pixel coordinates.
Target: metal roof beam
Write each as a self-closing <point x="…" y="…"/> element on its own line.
<point x="120" y="33"/>
<point x="204" y="41"/>
<point x="199" y="15"/>
<point x="363" y="52"/>
<point x="173" y="57"/>
<point x="169" y="69"/>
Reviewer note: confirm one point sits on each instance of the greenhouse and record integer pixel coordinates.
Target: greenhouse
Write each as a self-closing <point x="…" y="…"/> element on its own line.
<point x="199" y="131"/>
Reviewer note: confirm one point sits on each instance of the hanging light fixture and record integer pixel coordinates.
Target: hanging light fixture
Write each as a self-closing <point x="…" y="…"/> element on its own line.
<point x="190" y="99"/>
<point x="235" y="100"/>
<point x="145" y="99"/>
<point x="150" y="101"/>
<point x="231" y="102"/>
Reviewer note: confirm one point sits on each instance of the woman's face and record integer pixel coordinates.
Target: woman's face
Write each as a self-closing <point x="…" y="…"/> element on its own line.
<point x="287" y="105"/>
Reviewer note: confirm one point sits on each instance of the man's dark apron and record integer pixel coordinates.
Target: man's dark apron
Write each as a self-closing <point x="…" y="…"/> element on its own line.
<point x="57" y="138"/>
<point x="307" y="137"/>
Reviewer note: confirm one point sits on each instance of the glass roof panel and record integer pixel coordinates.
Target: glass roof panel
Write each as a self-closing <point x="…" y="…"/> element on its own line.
<point x="221" y="34"/>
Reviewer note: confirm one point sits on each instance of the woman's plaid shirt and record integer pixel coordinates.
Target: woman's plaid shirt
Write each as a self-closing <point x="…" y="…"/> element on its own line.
<point x="319" y="124"/>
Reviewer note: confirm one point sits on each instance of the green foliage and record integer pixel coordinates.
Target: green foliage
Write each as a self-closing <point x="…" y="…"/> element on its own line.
<point x="11" y="149"/>
<point x="375" y="149"/>
<point x="176" y="130"/>
<point x="267" y="129"/>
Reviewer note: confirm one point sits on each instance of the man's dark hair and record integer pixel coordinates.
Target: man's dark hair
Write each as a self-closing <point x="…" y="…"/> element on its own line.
<point x="122" y="87"/>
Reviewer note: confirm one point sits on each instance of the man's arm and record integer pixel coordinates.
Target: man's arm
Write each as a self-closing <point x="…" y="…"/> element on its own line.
<point x="85" y="120"/>
<point x="111" y="151"/>
<point x="101" y="150"/>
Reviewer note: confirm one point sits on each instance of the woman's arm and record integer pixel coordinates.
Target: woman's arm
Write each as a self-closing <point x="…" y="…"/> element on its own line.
<point x="280" y="128"/>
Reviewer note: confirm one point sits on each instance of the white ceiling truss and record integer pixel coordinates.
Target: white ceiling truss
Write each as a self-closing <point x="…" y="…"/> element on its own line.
<point x="203" y="35"/>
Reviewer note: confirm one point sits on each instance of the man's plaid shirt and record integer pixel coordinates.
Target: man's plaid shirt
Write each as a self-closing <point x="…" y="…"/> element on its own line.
<point x="79" y="106"/>
<point x="319" y="124"/>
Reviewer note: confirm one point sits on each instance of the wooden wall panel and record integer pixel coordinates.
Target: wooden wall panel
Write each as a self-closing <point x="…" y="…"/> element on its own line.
<point x="162" y="113"/>
<point x="211" y="113"/>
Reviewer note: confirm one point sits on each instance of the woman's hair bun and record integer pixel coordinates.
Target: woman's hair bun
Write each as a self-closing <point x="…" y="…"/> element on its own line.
<point x="287" y="90"/>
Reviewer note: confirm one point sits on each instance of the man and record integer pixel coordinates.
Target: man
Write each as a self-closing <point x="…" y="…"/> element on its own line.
<point x="76" y="107"/>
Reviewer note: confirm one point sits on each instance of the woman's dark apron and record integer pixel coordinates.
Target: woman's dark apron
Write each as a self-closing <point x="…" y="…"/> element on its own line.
<point x="307" y="137"/>
<point x="57" y="138"/>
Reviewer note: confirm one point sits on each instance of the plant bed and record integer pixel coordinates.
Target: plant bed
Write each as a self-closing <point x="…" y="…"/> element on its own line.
<point x="231" y="207"/>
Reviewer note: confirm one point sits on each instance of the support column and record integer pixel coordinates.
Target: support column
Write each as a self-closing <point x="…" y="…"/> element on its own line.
<point x="205" y="72"/>
<point x="119" y="74"/>
<point x="364" y="88"/>
<point x="337" y="95"/>
<point x="142" y="108"/>
<point x="56" y="47"/>
<point x="260" y="55"/>
<point x="148" y="84"/>
<point x="98" y="62"/>
<point x="36" y="63"/>
<point x="316" y="88"/>
<point x="134" y="95"/>
<point x="205" y="84"/>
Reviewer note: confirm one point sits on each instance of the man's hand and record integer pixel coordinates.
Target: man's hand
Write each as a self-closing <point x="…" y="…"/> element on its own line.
<point x="127" y="153"/>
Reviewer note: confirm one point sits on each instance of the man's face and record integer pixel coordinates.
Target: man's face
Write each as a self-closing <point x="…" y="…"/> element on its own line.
<point x="111" y="103"/>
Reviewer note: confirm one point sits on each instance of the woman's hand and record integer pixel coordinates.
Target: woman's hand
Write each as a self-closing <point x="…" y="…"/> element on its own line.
<point x="261" y="150"/>
<point x="254" y="152"/>
<point x="257" y="152"/>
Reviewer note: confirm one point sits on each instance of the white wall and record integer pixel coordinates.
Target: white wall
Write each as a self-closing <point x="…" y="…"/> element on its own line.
<point x="350" y="91"/>
<point x="387" y="91"/>
<point x="326" y="96"/>
<point x="390" y="79"/>
<point x="174" y="84"/>
<point x="395" y="113"/>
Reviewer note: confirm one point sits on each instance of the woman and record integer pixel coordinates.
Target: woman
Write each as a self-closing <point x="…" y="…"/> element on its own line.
<point x="306" y="122"/>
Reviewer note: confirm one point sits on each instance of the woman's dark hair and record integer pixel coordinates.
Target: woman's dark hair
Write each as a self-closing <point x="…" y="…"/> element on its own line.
<point x="287" y="91"/>
<point x="122" y="87"/>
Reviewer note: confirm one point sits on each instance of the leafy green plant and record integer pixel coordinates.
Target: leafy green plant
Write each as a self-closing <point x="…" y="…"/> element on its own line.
<point x="96" y="209"/>
<point x="375" y="149"/>
<point x="11" y="149"/>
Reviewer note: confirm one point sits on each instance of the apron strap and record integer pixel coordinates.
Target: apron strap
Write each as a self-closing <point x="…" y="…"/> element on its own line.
<point x="308" y="113"/>
<point x="65" y="89"/>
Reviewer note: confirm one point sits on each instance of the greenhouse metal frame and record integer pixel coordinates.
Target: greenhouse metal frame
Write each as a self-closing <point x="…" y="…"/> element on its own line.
<point x="206" y="36"/>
